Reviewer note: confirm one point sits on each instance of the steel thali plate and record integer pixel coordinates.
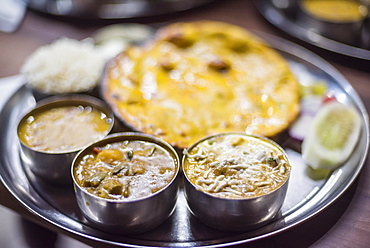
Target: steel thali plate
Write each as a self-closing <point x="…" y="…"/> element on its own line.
<point x="305" y="198"/>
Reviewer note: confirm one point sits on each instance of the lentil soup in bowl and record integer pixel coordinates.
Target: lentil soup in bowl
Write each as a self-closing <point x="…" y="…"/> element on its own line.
<point x="51" y="134"/>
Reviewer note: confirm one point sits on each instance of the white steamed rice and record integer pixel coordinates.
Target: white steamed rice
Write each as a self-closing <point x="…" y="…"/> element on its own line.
<point x="64" y="66"/>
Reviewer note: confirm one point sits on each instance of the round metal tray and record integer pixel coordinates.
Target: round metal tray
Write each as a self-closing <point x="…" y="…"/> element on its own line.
<point x="113" y="9"/>
<point x="305" y="197"/>
<point x="287" y="21"/>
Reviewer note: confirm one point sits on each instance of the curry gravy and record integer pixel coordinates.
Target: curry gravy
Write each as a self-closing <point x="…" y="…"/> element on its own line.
<point x="62" y="129"/>
<point x="125" y="170"/>
<point x="236" y="166"/>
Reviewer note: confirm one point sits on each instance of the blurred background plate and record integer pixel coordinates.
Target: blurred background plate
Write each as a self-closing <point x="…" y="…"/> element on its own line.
<point x="113" y="9"/>
<point x="285" y="16"/>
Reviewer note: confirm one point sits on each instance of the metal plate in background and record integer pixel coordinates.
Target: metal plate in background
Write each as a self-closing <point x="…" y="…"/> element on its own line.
<point x="305" y="197"/>
<point x="286" y="20"/>
<point x="113" y="9"/>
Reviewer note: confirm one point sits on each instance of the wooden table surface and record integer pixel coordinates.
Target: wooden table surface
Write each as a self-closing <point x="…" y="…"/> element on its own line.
<point x="346" y="223"/>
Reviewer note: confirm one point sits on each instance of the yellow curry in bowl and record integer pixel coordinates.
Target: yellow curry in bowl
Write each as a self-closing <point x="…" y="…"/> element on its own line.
<point x="336" y="10"/>
<point x="60" y="129"/>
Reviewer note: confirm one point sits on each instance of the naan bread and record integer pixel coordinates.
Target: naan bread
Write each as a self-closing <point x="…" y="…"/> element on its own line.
<point x="200" y="78"/>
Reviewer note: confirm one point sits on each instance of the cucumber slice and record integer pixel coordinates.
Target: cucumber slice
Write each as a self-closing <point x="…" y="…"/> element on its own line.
<point x="332" y="136"/>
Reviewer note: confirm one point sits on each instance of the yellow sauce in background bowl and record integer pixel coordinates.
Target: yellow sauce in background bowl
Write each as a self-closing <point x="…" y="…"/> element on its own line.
<point x="336" y="10"/>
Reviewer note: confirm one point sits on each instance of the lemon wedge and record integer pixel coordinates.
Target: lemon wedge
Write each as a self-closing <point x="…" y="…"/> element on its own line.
<point x="332" y="136"/>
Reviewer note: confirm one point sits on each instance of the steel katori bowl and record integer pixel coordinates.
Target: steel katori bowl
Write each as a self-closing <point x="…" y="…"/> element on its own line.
<point x="52" y="161"/>
<point x="225" y="158"/>
<point x="109" y="207"/>
<point x="342" y="21"/>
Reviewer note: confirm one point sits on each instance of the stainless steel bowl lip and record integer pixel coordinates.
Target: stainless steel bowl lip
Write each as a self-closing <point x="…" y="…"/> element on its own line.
<point x="329" y="22"/>
<point x="121" y="136"/>
<point x="67" y="100"/>
<point x="41" y="95"/>
<point x="253" y="136"/>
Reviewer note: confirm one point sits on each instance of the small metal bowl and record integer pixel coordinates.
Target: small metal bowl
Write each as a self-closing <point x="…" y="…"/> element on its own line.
<point x="122" y="213"/>
<point x="54" y="166"/>
<point x="225" y="209"/>
<point x="345" y="31"/>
